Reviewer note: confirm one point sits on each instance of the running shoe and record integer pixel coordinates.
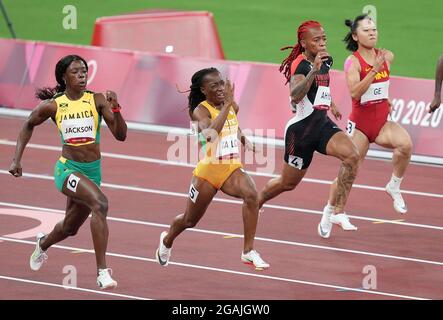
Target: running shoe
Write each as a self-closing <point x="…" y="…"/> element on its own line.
<point x="343" y="220"/>
<point x="253" y="257"/>
<point x="39" y="256"/>
<point x="104" y="279"/>
<point x="324" y="228"/>
<point x="163" y="254"/>
<point x="399" y="204"/>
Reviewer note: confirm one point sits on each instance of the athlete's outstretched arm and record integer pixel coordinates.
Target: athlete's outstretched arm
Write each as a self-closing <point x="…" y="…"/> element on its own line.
<point x="45" y="110"/>
<point x="113" y="119"/>
<point x="438" y="80"/>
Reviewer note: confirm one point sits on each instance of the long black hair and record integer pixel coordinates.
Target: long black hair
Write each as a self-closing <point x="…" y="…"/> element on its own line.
<point x="195" y="94"/>
<point x="60" y="69"/>
<point x="351" y="44"/>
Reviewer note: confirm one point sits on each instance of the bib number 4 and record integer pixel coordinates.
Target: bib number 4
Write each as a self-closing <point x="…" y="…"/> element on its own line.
<point x="295" y="162"/>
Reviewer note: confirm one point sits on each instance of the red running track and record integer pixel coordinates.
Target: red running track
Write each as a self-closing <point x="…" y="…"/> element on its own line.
<point x="145" y="194"/>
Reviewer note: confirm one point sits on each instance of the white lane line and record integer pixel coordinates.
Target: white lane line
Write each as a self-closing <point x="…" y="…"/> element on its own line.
<point x="50" y="284"/>
<point x="189" y="165"/>
<point x="187" y="265"/>
<point x="273" y="142"/>
<point x="221" y="233"/>
<point x="223" y="200"/>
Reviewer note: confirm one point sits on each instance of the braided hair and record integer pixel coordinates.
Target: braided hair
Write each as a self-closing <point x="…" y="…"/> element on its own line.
<point x="195" y="94"/>
<point x="285" y="66"/>
<point x="60" y="69"/>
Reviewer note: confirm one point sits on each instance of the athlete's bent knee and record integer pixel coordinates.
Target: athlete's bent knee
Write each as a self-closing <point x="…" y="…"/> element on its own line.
<point x="250" y="197"/>
<point x="288" y="185"/>
<point x="100" y="205"/>
<point x="405" y="148"/>
<point x="352" y="158"/>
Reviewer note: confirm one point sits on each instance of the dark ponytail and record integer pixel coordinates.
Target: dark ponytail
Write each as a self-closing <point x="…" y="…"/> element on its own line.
<point x="196" y="95"/>
<point x="351" y="44"/>
<point x="60" y="69"/>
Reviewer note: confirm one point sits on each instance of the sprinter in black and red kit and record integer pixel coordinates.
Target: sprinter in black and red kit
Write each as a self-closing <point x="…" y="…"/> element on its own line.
<point x="307" y="71"/>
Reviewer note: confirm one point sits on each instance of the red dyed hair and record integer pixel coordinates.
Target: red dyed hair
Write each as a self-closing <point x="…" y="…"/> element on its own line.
<point x="285" y="66"/>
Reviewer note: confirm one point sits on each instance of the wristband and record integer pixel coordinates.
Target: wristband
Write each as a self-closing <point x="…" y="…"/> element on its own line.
<point x="116" y="109"/>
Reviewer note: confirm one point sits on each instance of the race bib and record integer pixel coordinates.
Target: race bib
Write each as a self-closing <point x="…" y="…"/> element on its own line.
<point x="322" y="98"/>
<point x="227" y="146"/>
<point x="350" y="128"/>
<point x="295" y="162"/>
<point x="78" y="130"/>
<point x="376" y="91"/>
<point x="72" y="182"/>
<point x="193" y="193"/>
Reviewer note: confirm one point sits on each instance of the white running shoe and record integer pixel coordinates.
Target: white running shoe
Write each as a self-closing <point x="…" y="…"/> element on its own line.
<point x="343" y="220"/>
<point x="399" y="204"/>
<point x="104" y="280"/>
<point x="163" y="254"/>
<point x="324" y="228"/>
<point x="254" y="258"/>
<point x="38" y="256"/>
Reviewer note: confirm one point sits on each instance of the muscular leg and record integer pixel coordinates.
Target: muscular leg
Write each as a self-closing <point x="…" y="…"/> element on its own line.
<point x="240" y="185"/>
<point x="76" y="214"/>
<point x="340" y="146"/>
<point x="361" y="142"/>
<point x="288" y="180"/>
<point x="86" y="195"/>
<point x="194" y="211"/>
<point x="393" y="136"/>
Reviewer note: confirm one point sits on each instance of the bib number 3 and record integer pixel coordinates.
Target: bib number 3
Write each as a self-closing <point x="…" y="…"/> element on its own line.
<point x="350" y="128"/>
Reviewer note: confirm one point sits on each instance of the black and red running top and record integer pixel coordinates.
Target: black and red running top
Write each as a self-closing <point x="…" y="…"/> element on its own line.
<point x="319" y="94"/>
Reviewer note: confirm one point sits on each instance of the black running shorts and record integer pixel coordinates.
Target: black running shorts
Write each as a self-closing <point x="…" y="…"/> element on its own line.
<point x="304" y="137"/>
